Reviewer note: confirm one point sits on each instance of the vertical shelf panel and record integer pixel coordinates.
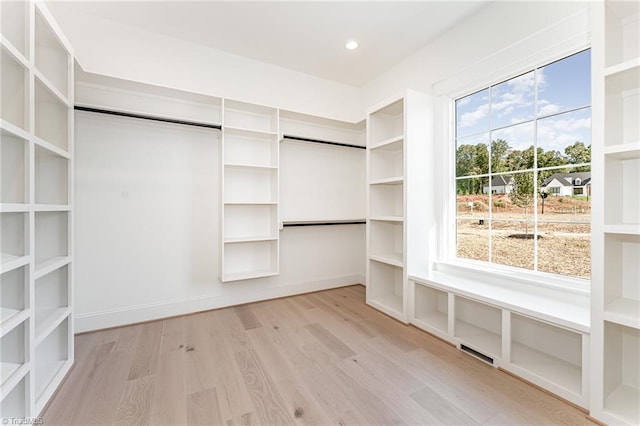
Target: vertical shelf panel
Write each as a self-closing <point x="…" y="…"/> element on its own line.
<point x="13" y="292"/>
<point x="547" y="351"/>
<point x="51" y="116"/>
<point x="51" y="237"/>
<point x="622" y="372"/>
<point x="51" y="355"/>
<point x="51" y="177"/>
<point x="479" y="325"/>
<point x="14" y="169"/>
<point x="52" y="60"/>
<point x="15" y="93"/>
<point x="432" y="307"/>
<point x="13" y="240"/>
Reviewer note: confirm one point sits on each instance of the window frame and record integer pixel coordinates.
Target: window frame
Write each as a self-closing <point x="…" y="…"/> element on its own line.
<point x="445" y="182"/>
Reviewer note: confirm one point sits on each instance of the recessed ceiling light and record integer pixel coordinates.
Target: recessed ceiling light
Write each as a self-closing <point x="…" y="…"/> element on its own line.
<point x="351" y="45"/>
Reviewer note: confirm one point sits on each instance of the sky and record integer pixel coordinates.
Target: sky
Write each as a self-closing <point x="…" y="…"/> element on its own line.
<point x="561" y="86"/>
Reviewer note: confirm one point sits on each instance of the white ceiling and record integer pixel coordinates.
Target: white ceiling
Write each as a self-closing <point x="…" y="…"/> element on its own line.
<point x="302" y="36"/>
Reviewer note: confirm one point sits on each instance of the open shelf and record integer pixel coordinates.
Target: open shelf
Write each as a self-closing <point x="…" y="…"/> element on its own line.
<point x="52" y="60"/>
<point x="51" y="117"/>
<point x="547" y="351"/>
<point x="13" y="347"/>
<point x="622" y="200"/>
<point x="386" y="162"/>
<point x="13" y="292"/>
<point x="51" y="177"/>
<point x="387" y="287"/>
<point x="250" y="148"/>
<point x="14" y="169"/>
<point x="478" y="325"/>
<point x="50" y="357"/>
<point x="626" y="151"/>
<point x="51" y="298"/>
<point x="622" y="38"/>
<point x="14" y="404"/>
<point x="15" y="93"/>
<point x="51" y="238"/>
<point x="387" y="123"/>
<point x="387" y="242"/>
<point x="432" y="307"/>
<point x="250" y="260"/>
<point x="14" y="23"/>
<point x="241" y="115"/>
<point x="622" y="107"/>
<point x="386" y="200"/>
<point x="622" y="372"/>
<point x="622" y="278"/>
<point x="13" y="239"/>
<point x="250" y="221"/>
<point x="307" y="126"/>
<point x="250" y="185"/>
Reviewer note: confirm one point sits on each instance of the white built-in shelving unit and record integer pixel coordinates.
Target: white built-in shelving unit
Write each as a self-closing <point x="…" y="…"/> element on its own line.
<point x="36" y="199"/>
<point x="396" y="130"/>
<point x="249" y="217"/>
<point x="615" y="395"/>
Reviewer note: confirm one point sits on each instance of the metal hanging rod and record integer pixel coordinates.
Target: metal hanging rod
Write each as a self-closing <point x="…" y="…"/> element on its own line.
<point x="303" y="139"/>
<point x="147" y="117"/>
<point x="323" y="223"/>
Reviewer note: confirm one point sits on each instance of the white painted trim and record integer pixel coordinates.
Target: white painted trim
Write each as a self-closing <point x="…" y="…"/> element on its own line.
<point x="140" y="313"/>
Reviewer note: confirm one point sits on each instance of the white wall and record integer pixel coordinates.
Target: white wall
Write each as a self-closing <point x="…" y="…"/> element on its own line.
<point x="142" y="56"/>
<point x="146" y="228"/>
<point x="495" y="27"/>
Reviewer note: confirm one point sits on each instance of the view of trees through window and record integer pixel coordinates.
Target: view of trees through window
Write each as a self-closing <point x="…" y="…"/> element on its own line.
<point x="523" y="174"/>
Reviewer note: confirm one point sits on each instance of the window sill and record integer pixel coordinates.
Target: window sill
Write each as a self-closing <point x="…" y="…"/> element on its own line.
<point x="557" y="304"/>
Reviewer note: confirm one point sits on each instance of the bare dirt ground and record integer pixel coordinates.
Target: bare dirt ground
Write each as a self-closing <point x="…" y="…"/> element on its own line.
<point x="564" y="244"/>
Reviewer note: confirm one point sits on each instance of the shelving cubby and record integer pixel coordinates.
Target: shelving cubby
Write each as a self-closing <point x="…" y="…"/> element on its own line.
<point x="387" y="242"/>
<point x="52" y="359"/>
<point x="386" y="288"/>
<point x="13" y="240"/>
<point x="51" y="299"/>
<point x="622" y="373"/>
<point x="478" y="326"/>
<point x="622" y="279"/>
<point x="250" y="185"/>
<point x="386" y="201"/>
<point x="51" y="177"/>
<point x="622" y="106"/>
<point x="51" y="241"/>
<point x="13" y="294"/>
<point x="51" y="117"/>
<point x="547" y="351"/>
<point x="431" y="310"/>
<point x="14" y="21"/>
<point x="387" y="123"/>
<point x="622" y="201"/>
<point x="14" y="169"/>
<point x="250" y="222"/>
<point x="15" y="403"/>
<point x="242" y="115"/>
<point x="244" y="147"/>
<point x="13" y="347"/>
<point x="622" y="43"/>
<point x="387" y="162"/>
<point x="51" y="57"/>
<point x="253" y="259"/>
<point x="14" y="78"/>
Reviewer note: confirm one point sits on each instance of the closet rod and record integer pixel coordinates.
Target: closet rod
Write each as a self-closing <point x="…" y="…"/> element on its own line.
<point x="303" y="139"/>
<point x="147" y="117"/>
<point x="326" y="223"/>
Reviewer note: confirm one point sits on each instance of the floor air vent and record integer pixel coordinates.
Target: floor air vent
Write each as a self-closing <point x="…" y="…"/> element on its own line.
<point x="476" y="354"/>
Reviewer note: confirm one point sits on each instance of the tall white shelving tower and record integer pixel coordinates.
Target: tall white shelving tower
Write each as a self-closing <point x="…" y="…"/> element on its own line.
<point x="615" y="396"/>
<point x="36" y="198"/>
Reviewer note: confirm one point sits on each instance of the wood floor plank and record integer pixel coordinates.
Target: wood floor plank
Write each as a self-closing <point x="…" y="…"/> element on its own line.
<point x="135" y="404"/>
<point x="320" y="358"/>
<point x="146" y="356"/>
<point x="264" y="394"/>
<point x="247" y="317"/>
<point x="203" y="408"/>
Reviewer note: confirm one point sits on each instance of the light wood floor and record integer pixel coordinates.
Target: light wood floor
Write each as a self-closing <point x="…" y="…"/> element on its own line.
<point x="322" y="358"/>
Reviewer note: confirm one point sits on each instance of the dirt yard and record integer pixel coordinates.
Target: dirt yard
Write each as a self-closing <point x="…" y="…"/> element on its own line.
<point x="563" y="248"/>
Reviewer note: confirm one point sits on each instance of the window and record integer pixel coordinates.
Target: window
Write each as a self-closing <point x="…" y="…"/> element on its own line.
<point x="522" y="147"/>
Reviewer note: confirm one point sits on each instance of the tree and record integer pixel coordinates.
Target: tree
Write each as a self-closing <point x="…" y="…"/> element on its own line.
<point x="522" y="194"/>
<point x="499" y="150"/>
<point x="579" y="154"/>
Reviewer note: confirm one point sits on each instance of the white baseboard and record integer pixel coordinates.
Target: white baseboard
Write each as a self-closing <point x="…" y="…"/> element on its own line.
<point x="141" y="313"/>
